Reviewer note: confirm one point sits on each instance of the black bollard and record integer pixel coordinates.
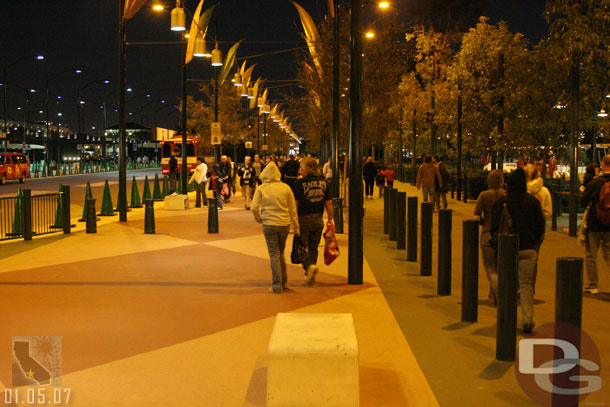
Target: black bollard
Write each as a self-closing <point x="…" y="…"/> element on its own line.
<point x="386" y="210"/>
<point x="65" y="193"/>
<point x="568" y="291"/>
<point x="444" y="252"/>
<point x="392" y="214"/>
<point x="506" y="337"/>
<point x="470" y="270"/>
<point x="149" y="217"/>
<point x="338" y="214"/>
<point x="452" y="187"/>
<point x="213" y="214"/>
<point x="465" y="189"/>
<point x="425" y="264"/>
<point x="401" y="220"/>
<point x="91" y="216"/>
<point x="412" y="229"/>
<point x="568" y="312"/>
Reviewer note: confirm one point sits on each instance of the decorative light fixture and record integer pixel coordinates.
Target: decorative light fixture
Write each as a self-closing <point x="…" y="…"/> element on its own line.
<point x="266" y="109"/>
<point x="369" y="34"/>
<point x="260" y="102"/>
<point x="178" y="18"/>
<point x="384" y="4"/>
<point x="245" y="90"/>
<point x="199" y="50"/>
<point x="602" y="113"/>
<point x="216" y="57"/>
<point x="237" y="79"/>
<point x="251" y="93"/>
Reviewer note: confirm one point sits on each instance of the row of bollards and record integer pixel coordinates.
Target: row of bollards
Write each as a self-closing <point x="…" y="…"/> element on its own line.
<point x="400" y="210"/>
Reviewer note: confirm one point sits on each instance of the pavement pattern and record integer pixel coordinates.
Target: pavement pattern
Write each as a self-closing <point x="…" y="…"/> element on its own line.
<point x="184" y="317"/>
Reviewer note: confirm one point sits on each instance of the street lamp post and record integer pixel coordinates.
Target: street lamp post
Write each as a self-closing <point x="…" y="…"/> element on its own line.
<point x="356" y="234"/>
<point x="122" y="196"/>
<point x="335" y="142"/>
<point x="183" y="173"/>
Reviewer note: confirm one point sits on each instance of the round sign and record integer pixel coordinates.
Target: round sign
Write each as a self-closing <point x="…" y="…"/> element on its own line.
<point x="558" y="365"/>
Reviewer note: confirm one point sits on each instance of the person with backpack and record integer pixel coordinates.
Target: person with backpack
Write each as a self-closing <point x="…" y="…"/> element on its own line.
<point x="519" y="212"/>
<point x="596" y="198"/>
<point x="390" y="176"/>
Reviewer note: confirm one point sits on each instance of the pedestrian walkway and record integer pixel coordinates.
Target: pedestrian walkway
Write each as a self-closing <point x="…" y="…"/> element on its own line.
<point x="458" y="358"/>
<point x="184" y="317"/>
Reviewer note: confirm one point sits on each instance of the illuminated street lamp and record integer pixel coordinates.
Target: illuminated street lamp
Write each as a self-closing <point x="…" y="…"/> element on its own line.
<point x="602" y="113"/>
<point x="178" y="18"/>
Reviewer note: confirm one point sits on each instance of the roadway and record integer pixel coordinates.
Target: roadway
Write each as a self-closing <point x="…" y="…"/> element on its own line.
<point x="78" y="184"/>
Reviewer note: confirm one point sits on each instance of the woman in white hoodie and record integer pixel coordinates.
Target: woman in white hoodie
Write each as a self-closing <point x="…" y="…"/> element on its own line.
<point x="535" y="186"/>
<point x="274" y="206"/>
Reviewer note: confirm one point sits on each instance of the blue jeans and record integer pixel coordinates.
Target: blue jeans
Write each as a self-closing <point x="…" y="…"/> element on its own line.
<point x="593" y="243"/>
<point x="526" y="266"/>
<point x="275" y="236"/>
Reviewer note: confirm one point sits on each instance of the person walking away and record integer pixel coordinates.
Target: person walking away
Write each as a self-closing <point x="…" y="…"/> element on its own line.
<point x="233" y="174"/>
<point x="441" y="192"/>
<point x="390" y="176"/>
<point x="591" y="172"/>
<point x="427" y="175"/>
<point x="482" y="211"/>
<point x="274" y="206"/>
<point x="526" y="220"/>
<point x="246" y="181"/>
<point x="369" y="173"/>
<point x="327" y="170"/>
<point x="173" y="173"/>
<point x="312" y="195"/>
<point x="380" y="181"/>
<point x="597" y="198"/>
<point x="225" y="171"/>
<point x="200" y="178"/>
<point x="215" y="180"/>
<point x="290" y="171"/>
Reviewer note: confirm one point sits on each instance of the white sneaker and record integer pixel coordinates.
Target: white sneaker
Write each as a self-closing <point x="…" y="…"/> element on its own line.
<point x="310" y="275"/>
<point x="592" y="290"/>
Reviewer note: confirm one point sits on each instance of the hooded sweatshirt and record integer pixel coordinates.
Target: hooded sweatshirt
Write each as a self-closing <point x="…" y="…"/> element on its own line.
<point x="524" y="209"/>
<point x="426" y="175"/>
<point x="273" y="202"/>
<point x="536" y="187"/>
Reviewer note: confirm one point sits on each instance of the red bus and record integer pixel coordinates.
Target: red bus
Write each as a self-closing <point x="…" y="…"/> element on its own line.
<point x="175" y="145"/>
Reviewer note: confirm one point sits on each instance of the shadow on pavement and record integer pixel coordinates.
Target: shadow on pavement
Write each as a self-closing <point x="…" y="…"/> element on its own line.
<point x="496" y="370"/>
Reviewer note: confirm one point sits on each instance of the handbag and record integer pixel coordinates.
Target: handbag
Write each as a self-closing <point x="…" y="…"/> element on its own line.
<point x="299" y="252"/>
<point x="331" y="249"/>
<point x="225" y="189"/>
<point x="505" y="225"/>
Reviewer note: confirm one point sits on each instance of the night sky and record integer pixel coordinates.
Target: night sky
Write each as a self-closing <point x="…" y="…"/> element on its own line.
<point x="84" y="34"/>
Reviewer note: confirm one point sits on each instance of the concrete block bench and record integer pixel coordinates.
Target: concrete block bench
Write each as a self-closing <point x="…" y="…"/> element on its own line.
<point x="313" y="361"/>
<point x="176" y="202"/>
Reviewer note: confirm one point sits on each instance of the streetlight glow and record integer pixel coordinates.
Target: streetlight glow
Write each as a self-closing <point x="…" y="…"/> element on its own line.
<point x="216" y="57"/>
<point x="369" y="34"/>
<point x="178" y="19"/>
<point x="158" y="7"/>
<point x="602" y="113"/>
<point x="384" y="4"/>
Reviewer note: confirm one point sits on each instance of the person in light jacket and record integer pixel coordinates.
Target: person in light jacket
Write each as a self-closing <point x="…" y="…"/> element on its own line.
<point x="426" y="178"/>
<point x="200" y="178"/>
<point x="274" y="206"/>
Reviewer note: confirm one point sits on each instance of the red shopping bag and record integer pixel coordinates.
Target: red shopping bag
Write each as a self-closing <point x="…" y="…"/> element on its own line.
<point x="331" y="249"/>
<point x="225" y="189"/>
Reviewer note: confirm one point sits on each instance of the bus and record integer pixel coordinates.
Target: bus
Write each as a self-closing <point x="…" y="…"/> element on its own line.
<point x="174" y="145"/>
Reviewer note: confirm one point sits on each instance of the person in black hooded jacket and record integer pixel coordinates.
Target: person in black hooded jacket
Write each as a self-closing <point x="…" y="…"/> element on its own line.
<point x="527" y="221"/>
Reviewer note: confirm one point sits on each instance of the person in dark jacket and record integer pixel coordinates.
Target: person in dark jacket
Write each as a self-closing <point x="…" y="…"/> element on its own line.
<point x="526" y="220"/>
<point x="369" y="172"/>
<point x="226" y="171"/>
<point x="598" y="233"/>
<point x="215" y="184"/>
<point x="173" y="173"/>
<point x="591" y="172"/>
<point x="290" y="171"/>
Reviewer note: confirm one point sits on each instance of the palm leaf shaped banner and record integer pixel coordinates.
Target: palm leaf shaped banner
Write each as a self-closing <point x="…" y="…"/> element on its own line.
<point x="252" y="104"/>
<point x="312" y="36"/>
<point x="228" y="64"/>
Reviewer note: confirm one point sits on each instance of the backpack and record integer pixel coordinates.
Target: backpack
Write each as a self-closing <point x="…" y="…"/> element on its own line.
<point x="602" y="209"/>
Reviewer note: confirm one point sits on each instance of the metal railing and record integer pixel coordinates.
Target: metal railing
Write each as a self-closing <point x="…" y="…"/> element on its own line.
<point x="25" y="216"/>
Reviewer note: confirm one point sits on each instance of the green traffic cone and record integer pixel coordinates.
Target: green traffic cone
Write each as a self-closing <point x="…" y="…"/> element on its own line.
<point x="88" y="194"/>
<point x="59" y="213"/>
<point x="135" y="195"/>
<point x="146" y="192"/>
<point x="18" y="219"/>
<point x="165" y="186"/>
<point x="106" y="202"/>
<point x="157" y="190"/>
